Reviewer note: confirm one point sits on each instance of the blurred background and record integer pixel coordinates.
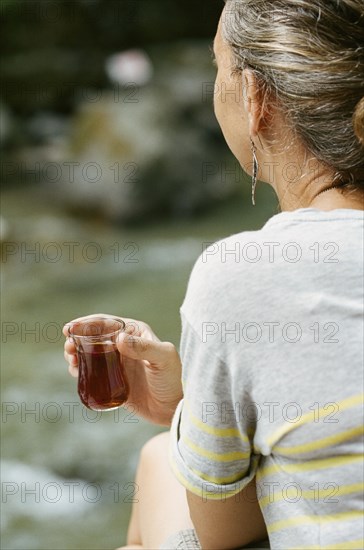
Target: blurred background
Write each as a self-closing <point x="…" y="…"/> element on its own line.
<point x="114" y="174"/>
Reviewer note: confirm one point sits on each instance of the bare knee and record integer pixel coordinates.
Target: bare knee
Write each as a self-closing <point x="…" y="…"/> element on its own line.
<point x="162" y="508"/>
<point x="155" y="448"/>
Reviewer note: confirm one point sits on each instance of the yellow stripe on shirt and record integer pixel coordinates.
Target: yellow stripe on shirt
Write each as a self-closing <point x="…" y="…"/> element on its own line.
<point x="212" y="430"/>
<point x="220" y="480"/>
<point x="321" y="443"/>
<point x="312" y="415"/>
<point x="205" y="492"/>
<point x="307" y="520"/>
<point x="319" y="464"/>
<point x="211" y="455"/>
<point x="311" y="494"/>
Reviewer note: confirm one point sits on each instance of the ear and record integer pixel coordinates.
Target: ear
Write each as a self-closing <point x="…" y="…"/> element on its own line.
<point x="252" y="101"/>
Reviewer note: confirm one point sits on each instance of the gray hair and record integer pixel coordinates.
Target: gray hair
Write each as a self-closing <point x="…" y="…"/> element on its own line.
<point x="308" y="56"/>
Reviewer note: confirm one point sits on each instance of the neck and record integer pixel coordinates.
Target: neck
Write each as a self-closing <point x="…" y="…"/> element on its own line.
<point x="302" y="182"/>
<point x="322" y="196"/>
<point x="334" y="198"/>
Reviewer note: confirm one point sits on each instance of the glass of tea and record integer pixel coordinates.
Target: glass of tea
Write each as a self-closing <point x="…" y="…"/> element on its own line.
<point x="102" y="382"/>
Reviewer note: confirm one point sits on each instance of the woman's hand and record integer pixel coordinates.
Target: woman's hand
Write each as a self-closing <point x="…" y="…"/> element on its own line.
<point x="153" y="369"/>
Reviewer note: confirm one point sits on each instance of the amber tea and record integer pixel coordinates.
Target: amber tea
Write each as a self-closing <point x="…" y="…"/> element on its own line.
<point x="102" y="381"/>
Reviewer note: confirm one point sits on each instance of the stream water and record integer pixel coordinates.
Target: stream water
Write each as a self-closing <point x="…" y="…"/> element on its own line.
<point x="68" y="473"/>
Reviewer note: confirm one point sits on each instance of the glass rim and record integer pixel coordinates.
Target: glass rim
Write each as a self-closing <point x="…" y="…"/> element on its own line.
<point x="97" y="336"/>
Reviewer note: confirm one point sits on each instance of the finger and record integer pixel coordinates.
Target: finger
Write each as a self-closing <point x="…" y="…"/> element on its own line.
<point x="135" y="328"/>
<point x="73" y="371"/>
<point x="155" y="352"/>
<point x="70" y="358"/>
<point x="69" y="346"/>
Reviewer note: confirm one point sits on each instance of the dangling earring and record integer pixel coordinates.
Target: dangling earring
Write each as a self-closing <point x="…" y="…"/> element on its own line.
<point x="255" y="170"/>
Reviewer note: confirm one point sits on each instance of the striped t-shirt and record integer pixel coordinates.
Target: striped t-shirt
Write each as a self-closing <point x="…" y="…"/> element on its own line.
<point x="272" y="354"/>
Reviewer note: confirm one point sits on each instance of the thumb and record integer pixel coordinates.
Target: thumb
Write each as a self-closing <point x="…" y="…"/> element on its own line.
<point x="136" y="347"/>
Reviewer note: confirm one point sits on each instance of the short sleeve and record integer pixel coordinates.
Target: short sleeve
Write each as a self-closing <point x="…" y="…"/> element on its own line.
<point x="211" y="452"/>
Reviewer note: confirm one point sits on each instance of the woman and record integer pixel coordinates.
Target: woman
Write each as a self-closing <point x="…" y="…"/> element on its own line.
<point x="265" y="438"/>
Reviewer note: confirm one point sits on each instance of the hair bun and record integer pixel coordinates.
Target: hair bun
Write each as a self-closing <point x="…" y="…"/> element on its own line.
<point x="359" y="121"/>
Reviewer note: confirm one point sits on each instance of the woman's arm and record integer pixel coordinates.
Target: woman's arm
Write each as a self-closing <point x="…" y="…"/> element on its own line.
<point x="228" y="524"/>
